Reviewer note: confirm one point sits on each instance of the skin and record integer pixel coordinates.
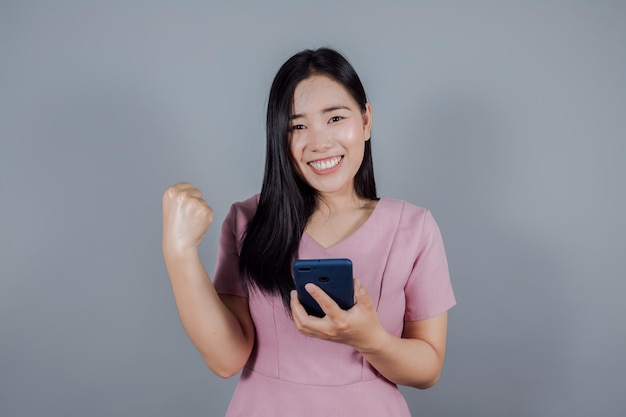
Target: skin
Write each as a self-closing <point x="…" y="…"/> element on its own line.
<point x="219" y="326"/>
<point x="326" y="125"/>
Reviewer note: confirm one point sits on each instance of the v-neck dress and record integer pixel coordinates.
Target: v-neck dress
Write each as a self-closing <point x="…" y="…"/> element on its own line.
<point x="398" y="255"/>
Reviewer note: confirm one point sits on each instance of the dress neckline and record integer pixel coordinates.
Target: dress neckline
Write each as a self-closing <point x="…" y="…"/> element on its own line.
<point x="352" y="235"/>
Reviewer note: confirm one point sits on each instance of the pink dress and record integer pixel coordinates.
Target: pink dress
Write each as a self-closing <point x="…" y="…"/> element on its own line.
<point x="399" y="257"/>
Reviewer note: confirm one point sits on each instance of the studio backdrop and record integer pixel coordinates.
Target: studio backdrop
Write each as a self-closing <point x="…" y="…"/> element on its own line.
<point x="505" y="119"/>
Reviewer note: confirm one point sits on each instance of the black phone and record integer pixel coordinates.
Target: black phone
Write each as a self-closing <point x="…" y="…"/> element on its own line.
<point x="334" y="276"/>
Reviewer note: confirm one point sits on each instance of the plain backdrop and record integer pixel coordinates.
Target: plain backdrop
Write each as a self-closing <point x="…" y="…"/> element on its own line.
<point x="506" y="119"/>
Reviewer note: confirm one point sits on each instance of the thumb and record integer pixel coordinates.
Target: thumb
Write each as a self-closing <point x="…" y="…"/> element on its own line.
<point x="361" y="296"/>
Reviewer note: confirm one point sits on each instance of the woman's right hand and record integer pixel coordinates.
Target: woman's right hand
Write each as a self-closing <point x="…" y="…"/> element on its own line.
<point x="186" y="218"/>
<point x="220" y="327"/>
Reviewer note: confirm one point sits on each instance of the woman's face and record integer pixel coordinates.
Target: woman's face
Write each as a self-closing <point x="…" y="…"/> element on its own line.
<point x="327" y="135"/>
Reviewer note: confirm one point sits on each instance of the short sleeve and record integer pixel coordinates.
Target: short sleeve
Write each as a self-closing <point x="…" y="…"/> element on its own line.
<point x="226" y="279"/>
<point x="428" y="290"/>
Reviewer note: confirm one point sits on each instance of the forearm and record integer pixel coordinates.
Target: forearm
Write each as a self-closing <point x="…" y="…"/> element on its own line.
<point x="404" y="361"/>
<point x="215" y="331"/>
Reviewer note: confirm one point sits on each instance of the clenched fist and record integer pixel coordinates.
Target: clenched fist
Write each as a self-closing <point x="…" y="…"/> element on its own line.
<point x="186" y="217"/>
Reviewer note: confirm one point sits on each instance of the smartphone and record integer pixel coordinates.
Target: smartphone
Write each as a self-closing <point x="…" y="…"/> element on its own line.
<point x="334" y="276"/>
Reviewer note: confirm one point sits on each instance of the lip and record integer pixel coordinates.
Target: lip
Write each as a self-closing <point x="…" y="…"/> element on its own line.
<point x="321" y="166"/>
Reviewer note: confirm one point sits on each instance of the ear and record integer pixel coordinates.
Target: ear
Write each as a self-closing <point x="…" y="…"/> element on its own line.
<point x="367" y="122"/>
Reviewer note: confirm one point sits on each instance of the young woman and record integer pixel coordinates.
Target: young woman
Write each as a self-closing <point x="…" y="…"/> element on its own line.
<point x="318" y="200"/>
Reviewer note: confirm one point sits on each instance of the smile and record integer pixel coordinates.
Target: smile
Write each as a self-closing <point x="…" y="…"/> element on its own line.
<point x="326" y="164"/>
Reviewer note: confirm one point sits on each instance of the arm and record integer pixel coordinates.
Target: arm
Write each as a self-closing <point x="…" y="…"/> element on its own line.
<point x="415" y="359"/>
<point x="219" y="326"/>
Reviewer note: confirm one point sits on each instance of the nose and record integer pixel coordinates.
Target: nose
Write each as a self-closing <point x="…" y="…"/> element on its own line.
<point x="319" y="139"/>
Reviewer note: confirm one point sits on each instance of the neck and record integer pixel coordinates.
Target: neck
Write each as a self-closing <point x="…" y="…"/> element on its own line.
<point x="332" y="204"/>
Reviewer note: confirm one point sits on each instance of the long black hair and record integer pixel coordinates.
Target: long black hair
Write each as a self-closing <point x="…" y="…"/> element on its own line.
<point x="286" y="202"/>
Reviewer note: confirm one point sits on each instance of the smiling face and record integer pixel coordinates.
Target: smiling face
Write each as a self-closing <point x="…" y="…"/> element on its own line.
<point x="327" y="135"/>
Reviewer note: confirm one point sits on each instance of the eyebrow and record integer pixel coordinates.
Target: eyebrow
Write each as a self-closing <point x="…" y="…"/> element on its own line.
<point x="326" y="110"/>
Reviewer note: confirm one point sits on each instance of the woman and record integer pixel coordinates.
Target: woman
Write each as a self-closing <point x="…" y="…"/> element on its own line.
<point x="318" y="200"/>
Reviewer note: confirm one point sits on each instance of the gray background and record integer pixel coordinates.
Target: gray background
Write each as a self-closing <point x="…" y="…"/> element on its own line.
<point x="506" y="119"/>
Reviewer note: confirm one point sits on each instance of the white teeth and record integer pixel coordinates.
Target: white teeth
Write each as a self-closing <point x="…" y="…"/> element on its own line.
<point x="329" y="163"/>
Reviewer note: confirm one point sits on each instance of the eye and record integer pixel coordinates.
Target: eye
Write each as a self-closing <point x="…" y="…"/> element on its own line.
<point x="335" y="119"/>
<point x="297" y="127"/>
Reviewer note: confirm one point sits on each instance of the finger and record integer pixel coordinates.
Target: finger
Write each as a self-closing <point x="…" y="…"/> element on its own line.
<point x="297" y="309"/>
<point x="294" y="302"/>
<point x="185" y="187"/>
<point x="191" y="192"/>
<point x="197" y="203"/>
<point x="182" y="185"/>
<point x="298" y="312"/>
<point x="205" y="211"/>
<point x="180" y="189"/>
<point x="328" y="305"/>
<point x="361" y="296"/>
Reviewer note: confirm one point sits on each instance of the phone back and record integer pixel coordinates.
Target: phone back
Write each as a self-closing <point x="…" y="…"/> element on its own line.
<point x="334" y="276"/>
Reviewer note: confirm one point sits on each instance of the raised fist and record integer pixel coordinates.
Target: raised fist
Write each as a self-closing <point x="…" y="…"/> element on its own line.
<point x="186" y="218"/>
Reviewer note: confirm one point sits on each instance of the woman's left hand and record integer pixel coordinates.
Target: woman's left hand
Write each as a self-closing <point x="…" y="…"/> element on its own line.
<point x="358" y="327"/>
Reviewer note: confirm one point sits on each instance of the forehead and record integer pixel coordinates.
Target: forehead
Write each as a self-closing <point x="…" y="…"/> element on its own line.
<point x="319" y="92"/>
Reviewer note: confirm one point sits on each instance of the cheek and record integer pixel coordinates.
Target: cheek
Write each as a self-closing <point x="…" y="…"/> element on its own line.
<point x="295" y="156"/>
<point x="296" y="146"/>
<point x="352" y="133"/>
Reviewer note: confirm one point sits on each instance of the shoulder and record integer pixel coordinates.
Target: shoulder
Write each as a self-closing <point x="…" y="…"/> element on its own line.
<point x="407" y="212"/>
<point x="412" y="219"/>
<point x="241" y="213"/>
<point x="247" y="207"/>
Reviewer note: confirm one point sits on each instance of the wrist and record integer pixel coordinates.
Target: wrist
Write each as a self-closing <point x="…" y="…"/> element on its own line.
<point x="178" y="254"/>
<point x="375" y="342"/>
